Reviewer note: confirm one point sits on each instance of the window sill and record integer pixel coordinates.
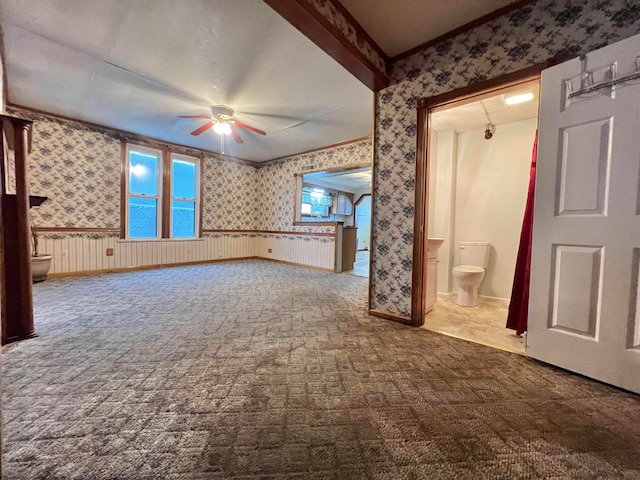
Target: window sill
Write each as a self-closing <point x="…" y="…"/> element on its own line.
<point x="151" y="240"/>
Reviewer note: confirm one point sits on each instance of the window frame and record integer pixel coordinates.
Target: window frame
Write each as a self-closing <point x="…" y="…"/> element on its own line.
<point x="196" y="200"/>
<point x="164" y="178"/>
<point x="127" y="193"/>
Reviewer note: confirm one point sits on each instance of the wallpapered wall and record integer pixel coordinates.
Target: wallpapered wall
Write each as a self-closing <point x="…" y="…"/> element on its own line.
<point x="78" y="168"/>
<point x="230" y="195"/>
<point x="528" y="36"/>
<point x="276" y="182"/>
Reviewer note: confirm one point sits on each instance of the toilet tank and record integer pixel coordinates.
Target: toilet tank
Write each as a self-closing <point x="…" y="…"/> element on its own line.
<point x="474" y="253"/>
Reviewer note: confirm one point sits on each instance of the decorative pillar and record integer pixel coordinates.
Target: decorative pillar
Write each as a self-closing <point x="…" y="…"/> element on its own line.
<point x="15" y="274"/>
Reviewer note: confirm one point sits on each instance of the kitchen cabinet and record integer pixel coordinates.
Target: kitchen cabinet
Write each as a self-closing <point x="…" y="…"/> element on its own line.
<point x="345" y="204"/>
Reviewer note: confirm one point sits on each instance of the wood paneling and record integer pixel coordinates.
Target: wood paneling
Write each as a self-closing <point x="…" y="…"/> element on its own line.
<point x="301" y="251"/>
<point x="146" y="267"/>
<point x="74" y="253"/>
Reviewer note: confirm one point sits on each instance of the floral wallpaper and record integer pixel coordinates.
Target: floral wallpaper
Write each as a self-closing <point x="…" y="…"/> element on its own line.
<point x="337" y="19"/>
<point x="78" y="168"/>
<point x="229" y="194"/>
<point x="530" y="35"/>
<point x="276" y="183"/>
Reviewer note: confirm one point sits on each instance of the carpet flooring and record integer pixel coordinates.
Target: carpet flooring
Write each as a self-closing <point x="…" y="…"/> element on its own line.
<point x="259" y="370"/>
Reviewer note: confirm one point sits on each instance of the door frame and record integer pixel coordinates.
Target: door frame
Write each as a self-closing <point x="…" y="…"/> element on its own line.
<point x="424" y="108"/>
<point x="355" y="215"/>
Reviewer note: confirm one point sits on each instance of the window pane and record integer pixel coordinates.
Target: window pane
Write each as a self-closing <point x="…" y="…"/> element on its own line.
<point x="143" y="217"/>
<point x="143" y="170"/>
<point x="183" y="219"/>
<point x="184" y="179"/>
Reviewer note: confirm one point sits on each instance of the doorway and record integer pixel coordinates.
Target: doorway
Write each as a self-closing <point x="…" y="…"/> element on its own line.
<point x="363" y="239"/>
<point x="478" y="162"/>
<point x="340" y="195"/>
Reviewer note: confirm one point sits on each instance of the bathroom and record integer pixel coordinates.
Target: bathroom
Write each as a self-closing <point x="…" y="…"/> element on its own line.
<point x="479" y="160"/>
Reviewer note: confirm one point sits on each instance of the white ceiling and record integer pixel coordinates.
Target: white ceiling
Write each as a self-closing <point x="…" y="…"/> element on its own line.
<point x="350" y="180"/>
<point x="400" y="25"/>
<point x="136" y="65"/>
<point x="473" y="116"/>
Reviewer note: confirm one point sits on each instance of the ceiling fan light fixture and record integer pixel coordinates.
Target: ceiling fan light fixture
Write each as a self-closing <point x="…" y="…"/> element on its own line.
<point x="222" y="128"/>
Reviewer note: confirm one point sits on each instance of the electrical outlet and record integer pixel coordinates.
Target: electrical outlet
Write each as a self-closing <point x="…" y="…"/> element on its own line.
<point x="270" y="250"/>
<point x="109" y="252"/>
<point x="63" y="254"/>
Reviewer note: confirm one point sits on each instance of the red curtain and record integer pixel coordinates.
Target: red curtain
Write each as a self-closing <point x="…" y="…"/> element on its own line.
<point x="519" y="306"/>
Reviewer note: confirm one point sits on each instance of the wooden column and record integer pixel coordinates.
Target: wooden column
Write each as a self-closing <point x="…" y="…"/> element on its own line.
<point x="15" y="274"/>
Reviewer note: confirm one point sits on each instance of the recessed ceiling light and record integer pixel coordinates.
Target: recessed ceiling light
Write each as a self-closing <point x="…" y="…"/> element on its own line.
<point x="519" y="98"/>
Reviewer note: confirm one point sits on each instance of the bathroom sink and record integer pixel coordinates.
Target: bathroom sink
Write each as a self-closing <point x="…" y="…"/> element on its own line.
<point x="432" y="247"/>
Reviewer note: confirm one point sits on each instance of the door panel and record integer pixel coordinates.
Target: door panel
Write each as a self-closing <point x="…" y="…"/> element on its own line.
<point x="577" y="289"/>
<point x="584" y="168"/>
<point x="584" y="309"/>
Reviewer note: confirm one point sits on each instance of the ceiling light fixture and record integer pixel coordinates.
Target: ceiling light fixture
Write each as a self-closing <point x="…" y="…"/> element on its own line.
<point x="488" y="131"/>
<point x="222" y="127"/>
<point x="519" y="98"/>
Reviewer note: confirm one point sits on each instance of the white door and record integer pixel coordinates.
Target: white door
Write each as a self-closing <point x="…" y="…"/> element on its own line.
<point x="584" y="308"/>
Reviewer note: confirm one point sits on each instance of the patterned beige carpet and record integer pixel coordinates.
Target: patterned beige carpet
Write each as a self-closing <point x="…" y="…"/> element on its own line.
<point x="259" y="370"/>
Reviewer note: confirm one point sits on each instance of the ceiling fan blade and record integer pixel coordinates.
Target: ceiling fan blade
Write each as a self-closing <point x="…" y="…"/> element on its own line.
<point x="194" y="116"/>
<point x="202" y="129"/>
<point x="235" y="135"/>
<point x="247" y="127"/>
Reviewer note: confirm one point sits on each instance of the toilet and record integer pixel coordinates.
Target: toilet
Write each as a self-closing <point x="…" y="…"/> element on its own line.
<point x="474" y="258"/>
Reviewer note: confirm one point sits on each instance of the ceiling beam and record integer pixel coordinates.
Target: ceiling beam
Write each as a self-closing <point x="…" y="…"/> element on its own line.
<point x="304" y="16"/>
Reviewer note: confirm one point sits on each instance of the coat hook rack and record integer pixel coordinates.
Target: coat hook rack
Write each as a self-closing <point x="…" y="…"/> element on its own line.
<point x="586" y="78"/>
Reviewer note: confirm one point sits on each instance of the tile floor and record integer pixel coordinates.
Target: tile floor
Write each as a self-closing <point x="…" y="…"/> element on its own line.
<point x="483" y="324"/>
<point x="361" y="265"/>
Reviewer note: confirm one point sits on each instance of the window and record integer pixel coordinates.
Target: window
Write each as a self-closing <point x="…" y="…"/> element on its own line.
<point x="162" y="194"/>
<point x="315" y="202"/>
<point x="184" y="199"/>
<point x="144" y="192"/>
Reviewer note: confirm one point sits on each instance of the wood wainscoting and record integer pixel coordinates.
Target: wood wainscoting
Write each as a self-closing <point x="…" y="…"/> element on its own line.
<point x="84" y="250"/>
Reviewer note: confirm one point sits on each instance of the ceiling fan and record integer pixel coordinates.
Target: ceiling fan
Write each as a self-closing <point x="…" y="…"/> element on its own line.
<point x="222" y="122"/>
